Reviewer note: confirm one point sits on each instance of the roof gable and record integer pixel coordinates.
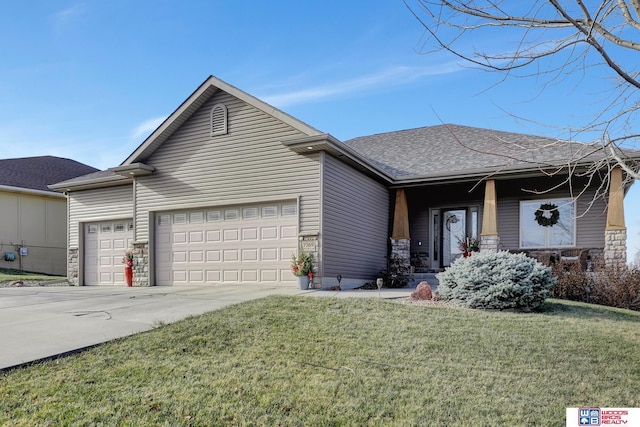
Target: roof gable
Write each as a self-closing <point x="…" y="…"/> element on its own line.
<point x="37" y="173"/>
<point x="194" y="102"/>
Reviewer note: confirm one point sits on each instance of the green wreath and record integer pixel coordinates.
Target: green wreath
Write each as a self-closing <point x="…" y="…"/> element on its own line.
<point x="542" y="213"/>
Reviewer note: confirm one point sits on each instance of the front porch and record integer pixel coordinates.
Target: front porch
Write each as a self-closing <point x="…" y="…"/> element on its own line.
<point x="432" y="223"/>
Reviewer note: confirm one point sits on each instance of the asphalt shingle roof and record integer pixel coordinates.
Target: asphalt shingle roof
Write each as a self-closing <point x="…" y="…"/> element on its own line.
<point x="446" y="150"/>
<point x="36" y="173"/>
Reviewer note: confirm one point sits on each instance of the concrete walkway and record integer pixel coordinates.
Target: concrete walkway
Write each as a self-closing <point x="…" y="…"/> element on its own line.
<point x="43" y="322"/>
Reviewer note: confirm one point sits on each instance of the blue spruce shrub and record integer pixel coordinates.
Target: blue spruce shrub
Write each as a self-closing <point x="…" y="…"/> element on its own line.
<point x="496" y="280"/>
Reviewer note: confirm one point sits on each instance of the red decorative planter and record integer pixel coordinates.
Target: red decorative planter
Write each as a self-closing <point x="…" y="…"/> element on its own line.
<point x="128" y="275"/>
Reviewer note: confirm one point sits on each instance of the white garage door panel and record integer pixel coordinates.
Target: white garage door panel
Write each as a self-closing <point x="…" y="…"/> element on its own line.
<point x="104" y="246"/>
<point x="251" y="244"/>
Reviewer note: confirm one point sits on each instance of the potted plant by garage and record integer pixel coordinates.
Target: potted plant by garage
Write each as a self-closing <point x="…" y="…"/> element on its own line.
<point x="127" y="260"/>
<point x="302" y="268"/>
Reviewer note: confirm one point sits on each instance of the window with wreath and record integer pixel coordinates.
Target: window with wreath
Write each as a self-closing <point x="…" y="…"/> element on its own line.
<point x="547" y="223"/>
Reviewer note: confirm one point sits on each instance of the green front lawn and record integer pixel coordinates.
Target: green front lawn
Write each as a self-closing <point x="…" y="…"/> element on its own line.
<point x="302" y="361"/>
<point x="7" y="274"/>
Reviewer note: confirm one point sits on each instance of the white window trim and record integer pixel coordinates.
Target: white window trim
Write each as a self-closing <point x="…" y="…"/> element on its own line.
<point x="556" y="201"/>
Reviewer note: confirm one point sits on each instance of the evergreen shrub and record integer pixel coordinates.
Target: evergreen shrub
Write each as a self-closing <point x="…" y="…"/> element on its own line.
<point x="496" y="280"/>
<point x="397" y="274"/>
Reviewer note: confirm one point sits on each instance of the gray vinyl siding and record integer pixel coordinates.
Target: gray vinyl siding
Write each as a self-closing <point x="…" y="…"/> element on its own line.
<point x="355" y="218"/>
<point x="590" y="225"/>
<point x="508" y="222"/>
<point x="96" y="205"/>
<point x="419" y="224"/>
<point x="248" y="164"/>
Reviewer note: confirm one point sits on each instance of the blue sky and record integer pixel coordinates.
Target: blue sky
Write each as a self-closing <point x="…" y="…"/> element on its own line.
<point x="89" y="80"/>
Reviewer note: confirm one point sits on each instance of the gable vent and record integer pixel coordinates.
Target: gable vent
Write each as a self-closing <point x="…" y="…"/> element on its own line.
<point x="218" y="120"/>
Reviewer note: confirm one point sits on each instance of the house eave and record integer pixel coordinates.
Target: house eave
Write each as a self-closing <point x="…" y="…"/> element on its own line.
<point x="493" y="173"/>
<point x="90" y="184"/>
<point x="30" y="191"/>
<point x="328" y="143"/>
<point x="133" y="169"/>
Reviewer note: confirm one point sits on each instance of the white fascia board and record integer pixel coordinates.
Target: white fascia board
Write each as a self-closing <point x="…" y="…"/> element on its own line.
<point x="111" y="181"/>
<point x="31" y="192"/>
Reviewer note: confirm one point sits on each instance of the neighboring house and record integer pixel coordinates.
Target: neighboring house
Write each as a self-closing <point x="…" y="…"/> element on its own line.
<point x="33" y="218"/>
<point x="228" y="188"/>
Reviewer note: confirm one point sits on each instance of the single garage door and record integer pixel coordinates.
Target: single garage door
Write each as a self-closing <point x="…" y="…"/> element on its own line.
<point x="243" y="244"/>
<point x="104" y="246"/>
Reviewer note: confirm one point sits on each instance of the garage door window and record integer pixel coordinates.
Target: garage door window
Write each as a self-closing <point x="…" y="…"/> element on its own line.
<point x="196" y="217"/>
<point x="250" y="213"/>
<point x="269" y="212"/>
<point x="289" y="210"/>
<point x="213" y="216"/>
<point x="231" y="214"/>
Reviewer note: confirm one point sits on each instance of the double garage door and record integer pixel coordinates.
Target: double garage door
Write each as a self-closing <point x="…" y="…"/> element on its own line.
<point x="238" y="244"/>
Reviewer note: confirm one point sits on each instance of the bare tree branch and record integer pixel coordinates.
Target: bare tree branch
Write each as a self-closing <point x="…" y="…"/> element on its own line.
<point x="553" y="39"/>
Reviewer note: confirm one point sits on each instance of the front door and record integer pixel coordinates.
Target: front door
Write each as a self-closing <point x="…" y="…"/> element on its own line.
<point x="449" y="227"/>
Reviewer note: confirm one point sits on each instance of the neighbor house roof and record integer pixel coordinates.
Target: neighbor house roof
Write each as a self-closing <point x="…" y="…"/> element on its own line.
<point x="446" y="151"/>
<point x="37" y="173"/>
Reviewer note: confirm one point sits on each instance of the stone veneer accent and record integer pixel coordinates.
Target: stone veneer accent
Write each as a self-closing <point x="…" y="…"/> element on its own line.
<point x="141" y="264"/>
<point x="489" y="243"/>
<point x="401" y="248"/>
<point x="615" y="248"/>
<point x="73" y="265"/>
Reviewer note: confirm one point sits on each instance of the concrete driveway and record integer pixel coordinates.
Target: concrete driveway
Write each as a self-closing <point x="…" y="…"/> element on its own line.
<point x="40" y="322"/>
<point x="43" y="322"/>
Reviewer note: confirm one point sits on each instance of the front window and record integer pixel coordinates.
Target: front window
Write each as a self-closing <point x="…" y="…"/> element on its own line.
<point x="547" y="223"/>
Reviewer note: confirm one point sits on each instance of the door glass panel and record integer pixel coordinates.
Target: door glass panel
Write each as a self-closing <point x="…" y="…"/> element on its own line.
<point x="453" y="230"/>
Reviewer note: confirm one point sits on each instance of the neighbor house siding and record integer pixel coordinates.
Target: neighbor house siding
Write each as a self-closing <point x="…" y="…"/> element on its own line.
<point x="355" y="218"/>
<point x="39" y="224"/>
<point x="97" y="205"/>
<point x="589" y="225"/>
<point x="248" y="164"/>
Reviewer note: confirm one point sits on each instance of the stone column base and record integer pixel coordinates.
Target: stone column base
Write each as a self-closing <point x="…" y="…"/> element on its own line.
<point x="489" y="243"/>
<point x="73" y="267"/>
<point x="615" y="248"/>
<point x="401" y="250"/>
<point x="141" y="264"/>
